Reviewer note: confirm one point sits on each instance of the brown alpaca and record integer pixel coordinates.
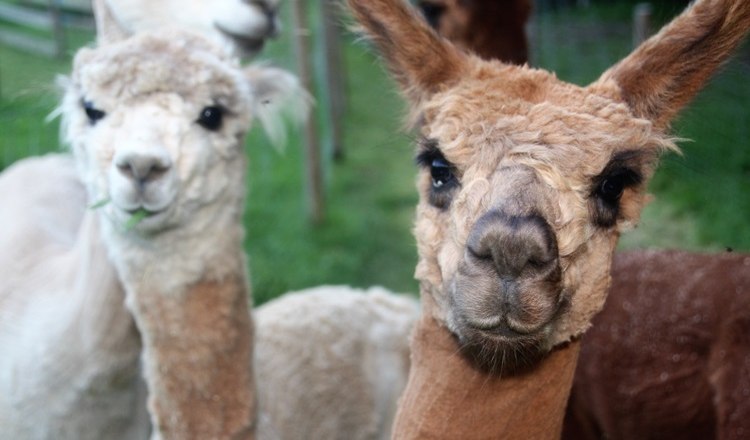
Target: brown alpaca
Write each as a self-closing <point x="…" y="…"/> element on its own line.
<point x="618" y="390"/>
<point x="526" y="184"/>
<point x="492" y="29"/>
<point x="669" y="356"/>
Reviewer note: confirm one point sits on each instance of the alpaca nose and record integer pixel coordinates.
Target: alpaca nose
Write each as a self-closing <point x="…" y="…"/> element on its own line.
<point x="143" y="168"/>
<point x="270" y="12"/>
<point x="517" y="246"/>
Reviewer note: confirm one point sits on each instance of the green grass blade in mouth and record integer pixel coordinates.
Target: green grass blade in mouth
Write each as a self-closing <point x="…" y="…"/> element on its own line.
<point x="100" y="203"/>
<point x="136" y="218"/>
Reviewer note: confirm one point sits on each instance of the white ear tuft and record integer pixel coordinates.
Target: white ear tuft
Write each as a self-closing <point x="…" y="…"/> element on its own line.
<point x="278" y="97"/>
<point x="108" y="29"/>
<point x="62" y="82"/>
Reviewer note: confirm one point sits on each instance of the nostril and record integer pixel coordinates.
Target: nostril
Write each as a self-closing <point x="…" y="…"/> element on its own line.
<point x="143" y="168"/>
<point x="126" y="170"/>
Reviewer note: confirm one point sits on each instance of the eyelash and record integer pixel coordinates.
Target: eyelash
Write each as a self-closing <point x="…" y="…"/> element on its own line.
<point x="442" y="173"/>
<point x="607" y="192"/>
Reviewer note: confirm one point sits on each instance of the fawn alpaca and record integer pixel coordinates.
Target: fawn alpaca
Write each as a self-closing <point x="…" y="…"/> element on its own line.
<point x="641" y="375"/>
<point x="526" y="184"/>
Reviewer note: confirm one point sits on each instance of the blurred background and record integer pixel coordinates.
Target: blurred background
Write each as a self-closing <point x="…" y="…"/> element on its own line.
<point x="363" y="238"/>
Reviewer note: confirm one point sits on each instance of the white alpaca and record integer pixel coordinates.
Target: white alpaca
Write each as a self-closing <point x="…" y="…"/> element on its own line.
<point x="148" y="142"/>
<point x="69" y="364"/>
<point x="151" y="142"/>
<point x="331" y="362"/>
<point x="240" y="25"/>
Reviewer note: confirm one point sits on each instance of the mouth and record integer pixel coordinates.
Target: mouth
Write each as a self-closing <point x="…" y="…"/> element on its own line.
<point x="501" y="342"/>
<point x="502" y="350"/>
<point x="246" y="43"/>
<point x="142" y="217"/>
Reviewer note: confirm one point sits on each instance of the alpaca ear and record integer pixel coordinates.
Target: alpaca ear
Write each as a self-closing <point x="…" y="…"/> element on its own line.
<point x="108" y="29"/>
<point x="667" y="71"/>
<point x="418" y="58"/>
<point x="278" y="97"/>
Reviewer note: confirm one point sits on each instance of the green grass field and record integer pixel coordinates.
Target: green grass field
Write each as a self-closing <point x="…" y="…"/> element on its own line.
<point x="701" y="198"/>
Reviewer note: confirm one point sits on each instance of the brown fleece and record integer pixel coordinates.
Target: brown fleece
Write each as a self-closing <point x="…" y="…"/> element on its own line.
<point x="669" y="356"/>
<point x="464" y="403"/>
<point x="490" y="29"/>
<point x="490" y="123"/>
<point x="197" y="359"/>
<point x="665" y="72"/>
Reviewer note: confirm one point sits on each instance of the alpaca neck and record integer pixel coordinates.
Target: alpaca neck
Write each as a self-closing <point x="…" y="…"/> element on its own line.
<point x="446" y="397"/>
<point x="100" y="293"/>
<point x="93" y="312"/>
<point x="79" y="345"/>
<point x="190" y="298"/>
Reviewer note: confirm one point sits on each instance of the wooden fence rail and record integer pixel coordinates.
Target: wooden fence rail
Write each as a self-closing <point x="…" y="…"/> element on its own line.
<point x="51" y="17"/>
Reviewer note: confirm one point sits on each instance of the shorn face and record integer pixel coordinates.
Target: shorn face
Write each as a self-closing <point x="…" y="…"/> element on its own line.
<point x="243" y="25"/>
<point x="525" y="184"/>
<point x="152" y="140"/>
<point x="527" y="181"/>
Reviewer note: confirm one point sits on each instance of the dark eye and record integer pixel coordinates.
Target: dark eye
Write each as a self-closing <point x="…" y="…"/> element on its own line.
<point x="441" y="171"/>
<point x="611" y="188"/>
<point x="92" y="112"/>
<point x="211" y="118"/>
<point x="432" y="12"/>
<point x="608" y="191"/>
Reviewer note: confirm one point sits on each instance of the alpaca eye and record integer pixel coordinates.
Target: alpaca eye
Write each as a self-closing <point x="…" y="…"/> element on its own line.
<point x="211" y="118"/>
<point x="608" y="191"/>
<point x="441" y="171"/>
<point x="611" y="188"/>
<point x="92" y="112"/>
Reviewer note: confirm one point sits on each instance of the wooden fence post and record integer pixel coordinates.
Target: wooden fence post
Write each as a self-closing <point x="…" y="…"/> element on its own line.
<point x="313" y="163"/>
<point x="58" y="32"/>
<point x="641" y="23"/>
<point x="334" y="76"/>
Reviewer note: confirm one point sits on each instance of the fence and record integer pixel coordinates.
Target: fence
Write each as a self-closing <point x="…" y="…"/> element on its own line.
<point x="38" y="26"/>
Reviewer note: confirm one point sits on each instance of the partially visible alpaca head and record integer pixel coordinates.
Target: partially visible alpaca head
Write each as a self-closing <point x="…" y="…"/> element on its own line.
<point x="526" y="181"/>
<point x="157" y="122"/>
<point x="241" y="25"/>
<point x="491" y="29"/>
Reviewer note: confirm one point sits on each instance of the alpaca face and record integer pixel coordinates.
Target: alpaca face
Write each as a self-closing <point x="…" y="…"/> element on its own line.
<point x="526" y="180"/>
<point x="242" y="25"/>
<point x="154" y="142"/>
<point x="522" y="200"/>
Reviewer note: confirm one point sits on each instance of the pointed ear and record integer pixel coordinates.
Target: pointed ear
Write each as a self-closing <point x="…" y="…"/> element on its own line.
<point x="420" y="60"/>
<point x="278" y="98"/>
<point x="108" y="29"/>
<point x="668" y="70"/>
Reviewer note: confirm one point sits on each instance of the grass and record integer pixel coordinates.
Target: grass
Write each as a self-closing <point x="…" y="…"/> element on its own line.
<point x="701" y="198"/>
